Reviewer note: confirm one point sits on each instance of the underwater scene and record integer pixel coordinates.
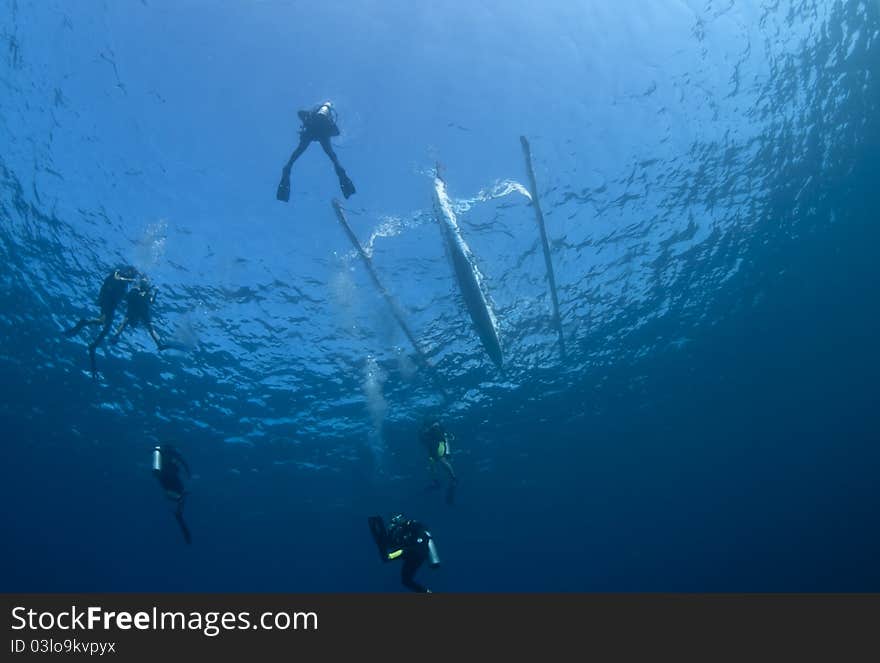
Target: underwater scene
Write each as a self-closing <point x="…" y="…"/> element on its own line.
<point x="386" y="296"/>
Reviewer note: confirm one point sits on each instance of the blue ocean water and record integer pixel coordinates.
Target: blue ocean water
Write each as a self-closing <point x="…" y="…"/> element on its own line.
<point x="708" y="175"/>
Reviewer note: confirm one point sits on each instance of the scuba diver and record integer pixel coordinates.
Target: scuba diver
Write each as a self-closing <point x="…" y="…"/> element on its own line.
<point x="167" y="463"/>
<point x="406" y="539"/>
<point x="138" y="302"/>
<point x="318" y="124"/>
<point x="436" y="441"/>
<point x="112" y="292"/>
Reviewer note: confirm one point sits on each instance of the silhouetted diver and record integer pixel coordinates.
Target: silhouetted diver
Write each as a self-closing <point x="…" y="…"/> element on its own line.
<point x="318" y="124"/>
<point x="112" y="293"/>
<point x="407" y="540"/>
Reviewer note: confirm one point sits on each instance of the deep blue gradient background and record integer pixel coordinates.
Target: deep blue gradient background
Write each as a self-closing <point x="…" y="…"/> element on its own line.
<point x="708" y="175"/>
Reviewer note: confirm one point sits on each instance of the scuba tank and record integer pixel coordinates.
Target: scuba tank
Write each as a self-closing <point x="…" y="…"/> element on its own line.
<point x="157" y="459"/>
<point x="433" y="557"/>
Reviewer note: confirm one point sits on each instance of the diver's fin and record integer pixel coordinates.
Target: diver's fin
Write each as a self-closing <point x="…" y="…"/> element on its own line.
<point x="346" y="185"/>
<point x="450" y="494"/>
<point x="283" y="193"/>
<point x="183" y="527"/>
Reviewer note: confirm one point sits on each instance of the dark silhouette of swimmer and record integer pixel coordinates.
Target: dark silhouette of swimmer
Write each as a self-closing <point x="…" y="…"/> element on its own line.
<point x="318" y="124"/>
<point x="407" y="540"/>
<point x="112" y="293"/>
<point x="436" y="442"/>
<point x="138" y="301"/>
<point x="167" y="463"/>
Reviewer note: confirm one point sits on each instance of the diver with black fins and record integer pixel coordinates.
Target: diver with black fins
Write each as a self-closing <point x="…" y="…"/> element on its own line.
<point x="167" y="463"/>
<point x="408" y="540"/>
<point x="436" y="441"/>
<point x="318" y="124"/>
<point x="111" y="295"/>
<point x="138" y="301"/>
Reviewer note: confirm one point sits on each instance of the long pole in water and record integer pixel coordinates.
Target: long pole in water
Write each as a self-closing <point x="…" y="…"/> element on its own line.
<point x="539" y="216"/>
<point x="395" y="311"/>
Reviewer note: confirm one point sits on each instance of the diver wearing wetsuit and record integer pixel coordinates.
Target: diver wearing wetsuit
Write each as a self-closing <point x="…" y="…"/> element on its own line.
<point x="318" y="124"/>
<point x="138" y="302"/>
<point x="167" y="463"/>
<point x="112" y="292"/>
<point x="408" y="540"/>
<point x="436" y="441"/>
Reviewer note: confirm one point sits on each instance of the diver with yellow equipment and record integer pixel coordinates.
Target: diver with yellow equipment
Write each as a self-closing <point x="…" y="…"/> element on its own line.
<point x="407" y="540"/>
<point x="436" y="441"/>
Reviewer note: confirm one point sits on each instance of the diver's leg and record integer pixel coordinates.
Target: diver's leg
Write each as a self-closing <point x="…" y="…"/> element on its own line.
<point x="328" y="149"/>
<point x="445" y="462"/>
<point x="115" y="338"/>
<point x="453" y="481"/>
<point x="297" y="153"/>
<point x="407" y="573"/>
<point x="435" y="481"/>
<point x="178" y="515"/>
<point x="344" y="182"/>
<point x="108" y="322"/>
<point x="283" y="192"/>
<point x="85" y="322"/>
